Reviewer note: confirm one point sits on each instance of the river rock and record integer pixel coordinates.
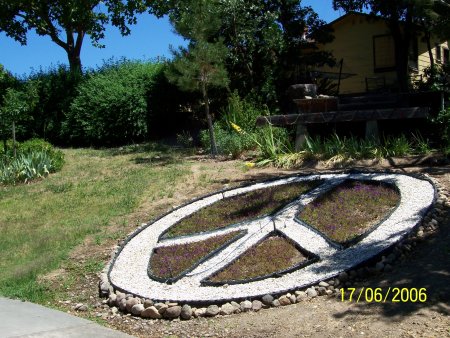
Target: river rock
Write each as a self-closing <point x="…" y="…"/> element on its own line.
<point x="161" y="307"/>
<point x="172" y="312"/>
<point x="311" y="292"/>
<point x="267" y="299"/>
<point x="200" y="312"/>
<point x="122" y="304"/>
<point x="112" y="298"/>
<point x="256" y="305"/>
<point x="137" y="309"/>
<point x="132" y="302"/>
<point x="284" y="300"/>
<point x="301" y="296"/>
<point x="246" y="306"/>
<point x="212" y="311"/>
<point x="151" y="312"/>
<point x="227" y="309"/>
<point x="186" y="312"/>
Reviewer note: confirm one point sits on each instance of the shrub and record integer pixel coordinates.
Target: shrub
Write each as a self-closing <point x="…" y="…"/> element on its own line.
<point x="228" y="141"/>
<point x="242" y="114"/>
<point x="442" y="122"/>
<point x="111" y="105"/>
<point x="56" y="90"/>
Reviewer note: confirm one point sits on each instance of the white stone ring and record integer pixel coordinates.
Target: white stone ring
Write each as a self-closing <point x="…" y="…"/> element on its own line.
<point x="128" y="271"/>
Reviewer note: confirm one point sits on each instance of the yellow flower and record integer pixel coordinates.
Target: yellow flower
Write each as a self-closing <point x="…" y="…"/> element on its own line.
<point x="236" y="127"/>
<point x="250" y="165"/>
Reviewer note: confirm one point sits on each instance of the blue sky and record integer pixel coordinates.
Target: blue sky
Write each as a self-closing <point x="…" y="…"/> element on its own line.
<point x="150" y="38"/>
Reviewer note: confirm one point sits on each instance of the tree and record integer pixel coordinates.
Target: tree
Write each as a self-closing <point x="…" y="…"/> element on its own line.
<point x="200" y="66"/>
<point x="264" y="41"/>
<point x="16" y="104"/>
<point x="68" y="22"/>
<point x="6" y="81"/>
<point x="402" y="17"/>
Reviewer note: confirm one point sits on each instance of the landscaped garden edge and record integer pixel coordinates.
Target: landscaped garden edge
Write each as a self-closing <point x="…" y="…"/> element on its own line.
<point x="423" y="229"/>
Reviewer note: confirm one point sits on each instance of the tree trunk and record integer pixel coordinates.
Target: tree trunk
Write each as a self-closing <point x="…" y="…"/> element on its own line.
<point x="210" y="124"/>
<point x="14" y="139"/>
<point x="430" y="50"/>
<point x="5" y="145"/>
<point x="74" y="61"/>
<point x="401" y="56"/>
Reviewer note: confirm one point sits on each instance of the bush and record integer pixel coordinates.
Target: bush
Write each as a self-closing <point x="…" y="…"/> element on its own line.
<point x="442" y="123"/>
<point x="56" y="90"/>
<point x="36" y="158"/>
<point x="228" y="141"/>
<point x="240" y="113"/>
<point x="111" y="105"/>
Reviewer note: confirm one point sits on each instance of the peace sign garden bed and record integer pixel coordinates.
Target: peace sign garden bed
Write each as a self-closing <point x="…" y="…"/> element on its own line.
<point x="147" y="278"/>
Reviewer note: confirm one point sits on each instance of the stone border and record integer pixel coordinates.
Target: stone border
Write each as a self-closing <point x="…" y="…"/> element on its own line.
<point x="148" y="309"/>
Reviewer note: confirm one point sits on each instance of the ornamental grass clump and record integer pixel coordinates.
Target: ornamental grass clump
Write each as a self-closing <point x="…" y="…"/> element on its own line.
<point x="239" y="208"/>
<point x="273" y="255"/>
<point x="350" y="210"/>
<point x="34" y="159"/>
<point x="170" y="262"/>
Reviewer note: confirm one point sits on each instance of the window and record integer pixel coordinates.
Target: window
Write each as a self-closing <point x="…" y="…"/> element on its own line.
<point x="446" y="58"/>
<point x="383" y="53"/>
<point x="438" y="53"/>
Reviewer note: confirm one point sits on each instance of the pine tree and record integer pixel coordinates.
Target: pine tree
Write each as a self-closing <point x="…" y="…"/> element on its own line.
<point x="201" y="66"/>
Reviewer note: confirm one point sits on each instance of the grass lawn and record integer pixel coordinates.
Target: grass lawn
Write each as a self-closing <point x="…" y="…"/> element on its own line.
<point x="240" y="208"/>
<point x="350" y="210"/>
<point x="41" y="223"/>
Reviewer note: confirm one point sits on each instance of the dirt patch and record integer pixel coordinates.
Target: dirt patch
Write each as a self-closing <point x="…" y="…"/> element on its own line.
<point x="427" y="266"/>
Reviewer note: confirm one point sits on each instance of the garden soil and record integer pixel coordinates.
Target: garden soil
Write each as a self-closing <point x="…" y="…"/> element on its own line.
<point x="426" y="266"/>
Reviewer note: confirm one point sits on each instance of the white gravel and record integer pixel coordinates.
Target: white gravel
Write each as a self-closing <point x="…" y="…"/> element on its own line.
<point x="129" y="271"/>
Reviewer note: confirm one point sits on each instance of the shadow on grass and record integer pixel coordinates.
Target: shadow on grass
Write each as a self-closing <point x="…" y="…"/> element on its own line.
<point x="155" y="160"/>
<point x="153" y="147"/>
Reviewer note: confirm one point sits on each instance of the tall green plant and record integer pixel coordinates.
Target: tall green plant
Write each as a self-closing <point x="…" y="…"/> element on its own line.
<point x="112" y="104"/>
<point x="16" y="104"/>
<point x="201" y="66"/>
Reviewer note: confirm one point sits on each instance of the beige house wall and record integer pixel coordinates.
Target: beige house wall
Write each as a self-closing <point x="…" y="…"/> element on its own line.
<point x="355" y="36"/>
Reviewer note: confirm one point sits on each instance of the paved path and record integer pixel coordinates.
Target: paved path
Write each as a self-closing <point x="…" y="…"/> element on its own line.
<point x="23" y="319"/>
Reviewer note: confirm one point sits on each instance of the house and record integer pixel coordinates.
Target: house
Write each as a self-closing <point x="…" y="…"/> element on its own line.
<point x="364" y="49"/>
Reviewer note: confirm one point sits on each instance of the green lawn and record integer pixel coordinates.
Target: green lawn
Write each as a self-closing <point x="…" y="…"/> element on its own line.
<point x="42" y="222"/>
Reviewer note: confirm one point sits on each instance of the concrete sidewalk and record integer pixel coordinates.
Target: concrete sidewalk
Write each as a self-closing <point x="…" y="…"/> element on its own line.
<point x="23" y="319"/>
